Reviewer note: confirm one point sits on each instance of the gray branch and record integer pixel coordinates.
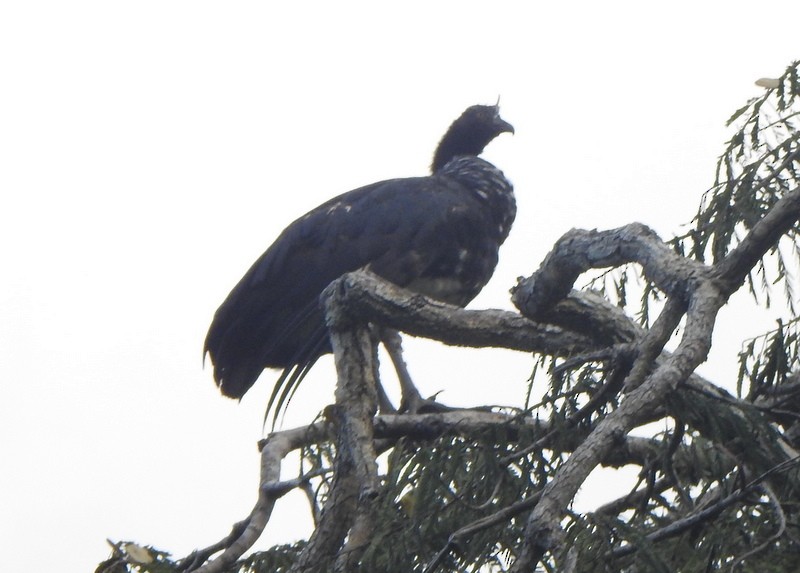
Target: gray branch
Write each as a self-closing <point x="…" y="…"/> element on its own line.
<point x="273" y="450"/>
<point x="373" y="299"/>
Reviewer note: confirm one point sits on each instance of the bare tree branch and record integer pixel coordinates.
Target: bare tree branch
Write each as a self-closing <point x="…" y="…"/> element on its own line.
<point x="245" y="533"/>
<point x="580" y="250"/>
<point x="375" y="300"/>
<point x="356" y="397"/>
<point x="690" y="286"/>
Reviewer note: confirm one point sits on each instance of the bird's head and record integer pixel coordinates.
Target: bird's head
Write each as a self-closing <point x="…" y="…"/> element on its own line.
<point x="470" y="133"/>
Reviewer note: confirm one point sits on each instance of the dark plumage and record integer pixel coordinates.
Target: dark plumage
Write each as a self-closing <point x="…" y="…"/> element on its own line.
<point x="437" y="235"/>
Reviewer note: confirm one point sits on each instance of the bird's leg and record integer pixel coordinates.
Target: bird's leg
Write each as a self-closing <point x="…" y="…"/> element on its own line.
<point x="385" y="405"/>
<point x="412" y="400"/>
<point x="393" y="344"/>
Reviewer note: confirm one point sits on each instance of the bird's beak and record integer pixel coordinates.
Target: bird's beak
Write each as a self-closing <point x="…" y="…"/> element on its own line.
<point x="502" y="126"/>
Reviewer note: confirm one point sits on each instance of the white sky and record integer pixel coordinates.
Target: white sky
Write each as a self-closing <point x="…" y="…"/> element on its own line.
<point x="150" y="151"/>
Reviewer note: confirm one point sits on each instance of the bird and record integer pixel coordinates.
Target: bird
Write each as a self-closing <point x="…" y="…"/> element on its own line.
<point x="438" y="235"/>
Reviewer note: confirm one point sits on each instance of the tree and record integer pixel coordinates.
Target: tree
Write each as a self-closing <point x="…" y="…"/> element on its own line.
<point x="490" y="489"/>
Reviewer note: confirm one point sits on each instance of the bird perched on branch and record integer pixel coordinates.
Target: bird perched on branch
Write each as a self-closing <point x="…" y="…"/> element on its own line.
<point x="437" y="235"/>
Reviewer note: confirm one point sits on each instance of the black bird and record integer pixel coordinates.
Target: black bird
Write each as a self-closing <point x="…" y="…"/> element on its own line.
<point x="437" y="235"/>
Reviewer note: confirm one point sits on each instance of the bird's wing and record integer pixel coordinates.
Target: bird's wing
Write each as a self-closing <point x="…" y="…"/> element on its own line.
<point x="401" y="229"/>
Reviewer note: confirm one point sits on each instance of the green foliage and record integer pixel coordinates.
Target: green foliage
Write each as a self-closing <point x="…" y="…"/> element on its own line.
<point x="767" y="361"/>
<point x="317" y="459"/>
<point x="620" y="283"/>
<point x="714" y="546"/>
<point x="658" y="528"/>
<point x="277" y="559"/>
<point x="434" y="489"/>
<point x="758" y="166"/>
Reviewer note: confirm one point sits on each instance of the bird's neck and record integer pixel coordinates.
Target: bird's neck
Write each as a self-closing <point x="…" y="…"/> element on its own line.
<point x="458" y="141"/>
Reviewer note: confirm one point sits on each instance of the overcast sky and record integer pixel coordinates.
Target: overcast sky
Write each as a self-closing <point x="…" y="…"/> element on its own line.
<point x="150" y="151"/>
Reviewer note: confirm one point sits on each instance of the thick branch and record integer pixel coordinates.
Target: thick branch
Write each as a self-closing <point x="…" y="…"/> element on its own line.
<point x="580" y="250"/>
<point x="543" y="531"/>
<point x="349" y="510"/>
<point x="687" y="282"/>
<point x="356" y="397"/>
<point x="376" y="300"/>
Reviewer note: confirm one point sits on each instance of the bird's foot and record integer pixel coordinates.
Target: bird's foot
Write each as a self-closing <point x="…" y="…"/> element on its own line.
<point x="416" y="404"/>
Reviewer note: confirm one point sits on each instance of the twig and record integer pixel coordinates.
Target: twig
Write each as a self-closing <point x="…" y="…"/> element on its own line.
<point x="776" y="504"/>
<point x="496" y="518"/>
<point x="693" y="519"/>
<point x="634" y="498"/>
<point x="246" y="532"/>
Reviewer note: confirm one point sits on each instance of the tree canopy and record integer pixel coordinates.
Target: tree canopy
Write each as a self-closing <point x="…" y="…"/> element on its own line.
<point x="491" y="489"/>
